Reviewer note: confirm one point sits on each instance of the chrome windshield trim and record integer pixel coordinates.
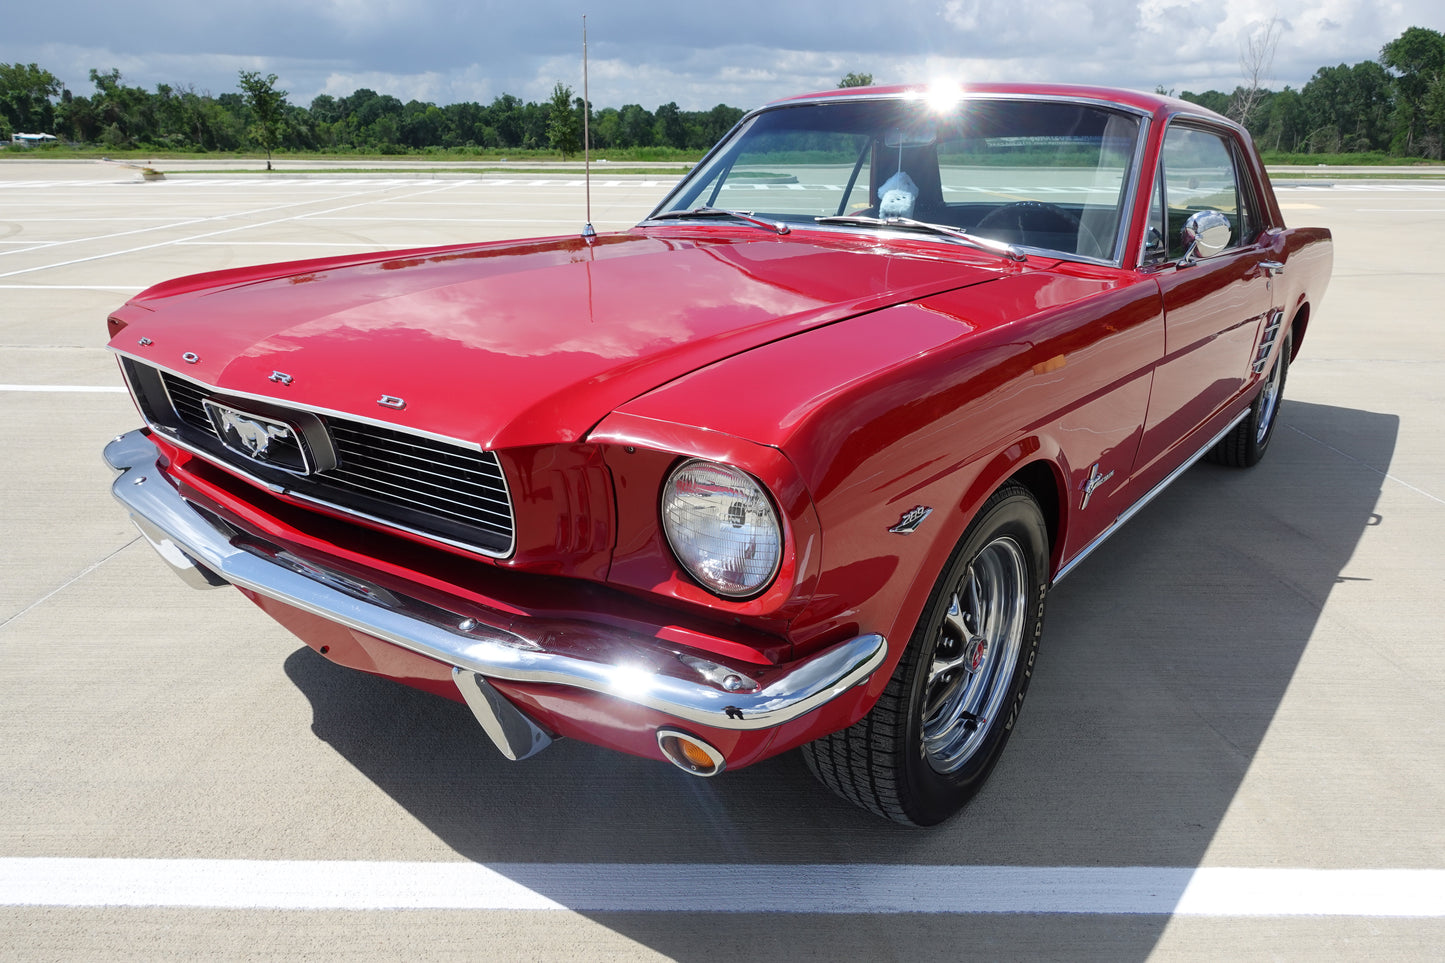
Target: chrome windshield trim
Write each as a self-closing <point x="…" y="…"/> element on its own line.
<point x="631" y="666"/>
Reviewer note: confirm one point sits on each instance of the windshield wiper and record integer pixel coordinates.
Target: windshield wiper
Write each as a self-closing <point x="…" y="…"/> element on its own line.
<point x="908" y="223"/>
<point x="776" y="226"/>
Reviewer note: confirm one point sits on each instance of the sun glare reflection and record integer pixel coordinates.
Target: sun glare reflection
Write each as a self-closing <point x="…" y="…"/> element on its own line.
<point x="943" y="95"/>
<point x="631" y="679"/>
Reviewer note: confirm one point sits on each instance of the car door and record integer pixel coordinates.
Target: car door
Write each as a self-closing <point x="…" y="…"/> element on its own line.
<point x="1214" y="307"/>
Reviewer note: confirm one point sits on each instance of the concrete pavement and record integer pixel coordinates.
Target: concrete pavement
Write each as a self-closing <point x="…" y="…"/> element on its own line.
<point x="1249" y="676"/>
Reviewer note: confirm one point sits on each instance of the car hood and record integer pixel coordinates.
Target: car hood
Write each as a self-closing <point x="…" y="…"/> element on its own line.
<point x="516" y="343"/>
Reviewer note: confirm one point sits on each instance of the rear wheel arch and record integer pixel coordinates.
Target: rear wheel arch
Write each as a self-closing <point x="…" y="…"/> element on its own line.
<point x="1297" y="327"/>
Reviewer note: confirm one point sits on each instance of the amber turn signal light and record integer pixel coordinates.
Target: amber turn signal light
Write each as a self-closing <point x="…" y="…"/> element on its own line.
<point x="689" y="753"/>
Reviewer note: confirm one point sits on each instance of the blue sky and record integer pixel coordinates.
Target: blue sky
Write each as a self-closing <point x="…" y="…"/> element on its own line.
<point x="742" y="52"/>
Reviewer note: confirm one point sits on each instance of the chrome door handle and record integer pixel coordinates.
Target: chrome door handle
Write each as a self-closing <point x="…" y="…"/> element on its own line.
<point x="1272" y="267"/>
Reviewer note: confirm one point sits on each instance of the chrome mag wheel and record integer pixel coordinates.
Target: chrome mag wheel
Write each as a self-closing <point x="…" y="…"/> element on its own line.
<point x="973" y="660"/>
<point x="1269" y="401"/>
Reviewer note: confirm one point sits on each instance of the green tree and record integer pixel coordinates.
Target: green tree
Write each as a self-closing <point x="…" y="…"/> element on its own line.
<point x="634" y="126"/>
<point x="27" y="95"/>
<point x="1347" y="108"/>
<point x="506" y="117"/>
<point x="1285" y="121"/>
<point x="268" y="110"/>
<point x="1418" y="58"/>
<point x="669" y="129"/>
<point x="1210" y="100"/>
<point x="116" y="115"/>
<point x="564" y="121"/>
<point x="856" y="80"/>
<point x="717" y="122"/>
<point x="466" y="124"/>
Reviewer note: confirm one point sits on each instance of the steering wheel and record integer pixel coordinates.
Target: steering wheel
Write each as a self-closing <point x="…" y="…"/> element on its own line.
<point x="1013" y="223"/>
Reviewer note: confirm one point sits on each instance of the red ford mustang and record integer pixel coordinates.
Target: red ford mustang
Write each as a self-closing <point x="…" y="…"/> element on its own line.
<point x="794" y="462"/>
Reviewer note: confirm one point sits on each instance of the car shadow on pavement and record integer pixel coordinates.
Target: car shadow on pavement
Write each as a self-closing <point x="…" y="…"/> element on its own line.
<point x="1165" y="657"/>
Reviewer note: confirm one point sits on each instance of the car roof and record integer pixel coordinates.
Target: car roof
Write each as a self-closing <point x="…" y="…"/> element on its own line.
<point x="1147" y="102"/>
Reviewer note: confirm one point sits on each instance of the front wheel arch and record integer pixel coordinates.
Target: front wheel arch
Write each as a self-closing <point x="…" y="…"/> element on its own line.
<point x="933" y="737"/>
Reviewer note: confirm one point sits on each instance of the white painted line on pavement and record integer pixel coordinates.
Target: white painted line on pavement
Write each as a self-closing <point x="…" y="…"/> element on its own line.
<point x="46" y="598"/>
<point x="1383" y="474"/>
<point x="347" y="244"/>
<point x="71" y="287"/>
<point x="66" y="389"/>
<point x="623" y="887"/>
<point x="222" y="217"/>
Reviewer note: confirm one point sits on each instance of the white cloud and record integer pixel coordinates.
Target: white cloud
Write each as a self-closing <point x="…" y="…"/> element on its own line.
<point x="745" y="54"/>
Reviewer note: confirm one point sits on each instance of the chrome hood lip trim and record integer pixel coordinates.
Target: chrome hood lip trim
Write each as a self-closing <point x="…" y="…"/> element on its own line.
<point x="523" y="650"/>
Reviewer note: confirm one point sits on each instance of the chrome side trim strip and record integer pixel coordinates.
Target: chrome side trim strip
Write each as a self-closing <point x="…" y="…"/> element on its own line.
<point x="1149" y="496"/>
<point x="631" y="666"/>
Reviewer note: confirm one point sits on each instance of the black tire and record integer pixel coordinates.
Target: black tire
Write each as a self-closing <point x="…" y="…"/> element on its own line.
<point x="932" y="739"/>
<point x="1246" y="444"/>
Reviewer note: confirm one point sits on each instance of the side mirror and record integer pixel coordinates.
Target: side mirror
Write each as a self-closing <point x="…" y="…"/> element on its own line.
<point x="1205" y="234"/>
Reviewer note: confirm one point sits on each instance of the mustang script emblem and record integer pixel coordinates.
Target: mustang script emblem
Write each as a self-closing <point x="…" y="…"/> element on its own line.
<point x="1094" y="481"/>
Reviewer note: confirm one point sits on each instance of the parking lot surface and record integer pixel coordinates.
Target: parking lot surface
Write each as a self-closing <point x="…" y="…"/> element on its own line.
<point x="1233" y="747"/>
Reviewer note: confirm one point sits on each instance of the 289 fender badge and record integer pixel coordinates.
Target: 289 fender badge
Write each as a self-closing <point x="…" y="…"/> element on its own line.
<point x="911" y="519"/>
<point x="1091" y="483"/>
<point x="280" y="377"/>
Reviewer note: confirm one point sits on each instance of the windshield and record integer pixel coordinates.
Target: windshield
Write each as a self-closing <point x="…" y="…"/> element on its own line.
<point x="1048" y="175"/>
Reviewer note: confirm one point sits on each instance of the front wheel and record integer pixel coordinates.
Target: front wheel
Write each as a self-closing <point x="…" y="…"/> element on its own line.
<point x="928" y="745"/>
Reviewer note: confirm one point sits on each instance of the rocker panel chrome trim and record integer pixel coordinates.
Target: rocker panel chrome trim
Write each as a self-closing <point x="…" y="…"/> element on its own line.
<point x="1149" y="496"/>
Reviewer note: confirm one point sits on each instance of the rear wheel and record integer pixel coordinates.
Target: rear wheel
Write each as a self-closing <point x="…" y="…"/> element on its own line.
<point x="1247" y="442"/>
<point x="935" y="734"/>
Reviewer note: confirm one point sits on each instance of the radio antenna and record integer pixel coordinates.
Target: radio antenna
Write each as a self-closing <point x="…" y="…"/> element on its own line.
<point x="587" y="229"/>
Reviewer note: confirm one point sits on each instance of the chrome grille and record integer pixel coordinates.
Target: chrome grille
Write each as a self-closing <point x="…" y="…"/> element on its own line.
<point x="188" y="400"/>
<point x="429" y="475"/>
<point x="422" y="485"/>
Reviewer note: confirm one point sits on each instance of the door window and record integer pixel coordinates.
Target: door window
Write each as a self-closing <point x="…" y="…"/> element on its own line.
<point x="1199" y="173"/>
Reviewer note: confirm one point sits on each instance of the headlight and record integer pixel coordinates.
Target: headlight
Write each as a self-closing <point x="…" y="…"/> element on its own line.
<point x="721" y="527"/>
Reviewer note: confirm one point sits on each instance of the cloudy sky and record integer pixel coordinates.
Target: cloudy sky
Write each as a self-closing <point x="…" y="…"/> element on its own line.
<point x="739" y="52"/>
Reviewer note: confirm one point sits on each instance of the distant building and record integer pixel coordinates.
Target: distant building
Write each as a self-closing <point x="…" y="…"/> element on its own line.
<point x="30" y="140"/>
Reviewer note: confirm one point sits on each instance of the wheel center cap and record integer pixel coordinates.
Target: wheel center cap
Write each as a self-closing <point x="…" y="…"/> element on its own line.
<point x="975" y="653"/>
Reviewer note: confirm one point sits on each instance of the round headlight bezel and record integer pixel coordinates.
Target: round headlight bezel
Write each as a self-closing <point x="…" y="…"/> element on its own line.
<point x="760" y="514"/>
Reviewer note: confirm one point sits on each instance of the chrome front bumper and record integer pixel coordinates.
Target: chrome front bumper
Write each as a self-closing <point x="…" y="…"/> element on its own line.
<point x="486" y="644"/>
